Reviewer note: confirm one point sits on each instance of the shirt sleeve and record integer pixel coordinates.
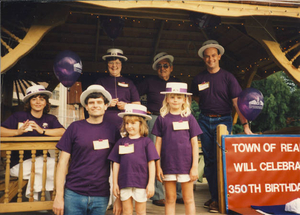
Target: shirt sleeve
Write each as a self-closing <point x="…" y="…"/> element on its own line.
<point x="234" y="87"/>
<point x="11" y="122"/>
<point x="151" y="150"/>
<point x="142" y="87"/>
<point x="114" y="154"/>
<point x="66" y="141"/>
<point x="157" y="128"/>
<point x="195" y="129"/>
<point x="134" y="94"/>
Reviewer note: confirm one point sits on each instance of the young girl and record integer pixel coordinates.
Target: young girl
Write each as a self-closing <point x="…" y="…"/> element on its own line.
<point x="134" y="161"/>
<point x="176" y="133"/>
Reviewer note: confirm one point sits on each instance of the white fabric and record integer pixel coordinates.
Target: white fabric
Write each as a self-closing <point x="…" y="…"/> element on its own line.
<point x="181" y="178"/>
<point x="138" y="194"/>
<point x="14" y="171"/>
<point x="293" y="206"/>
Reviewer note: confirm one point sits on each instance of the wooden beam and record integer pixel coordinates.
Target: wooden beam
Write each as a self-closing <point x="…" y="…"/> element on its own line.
<point x="264" y="35"/>
<point x="49" y="17"/>
<point x="157" y="40"/>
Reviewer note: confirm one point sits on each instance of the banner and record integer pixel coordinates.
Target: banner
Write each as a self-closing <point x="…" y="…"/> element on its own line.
<point x="261" y="169"/>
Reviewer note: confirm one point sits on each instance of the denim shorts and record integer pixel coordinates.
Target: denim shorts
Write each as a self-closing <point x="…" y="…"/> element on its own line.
<point x="76" y="204"/>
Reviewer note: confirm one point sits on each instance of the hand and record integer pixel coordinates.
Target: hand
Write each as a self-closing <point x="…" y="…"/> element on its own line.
<point x="159" y="174"/>
<point x="121" y="105"/>
<point x="58" y="206"/>
<point x="113" y="102"/>
<point x="150" y="190"/>
<point x="36" y="127"/>
<point x="116" y="190"/>
<point x="23" y="128"/>
<point x="194" y="173"/>
<point x="117" y="209"/>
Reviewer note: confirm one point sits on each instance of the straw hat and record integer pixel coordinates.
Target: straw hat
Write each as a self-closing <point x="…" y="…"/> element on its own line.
<point x="161" y="56"/>
<point x="209" y="44"/>
<point x="34" y="90"/>
<point x="95" y="88"/>
<point x="117" y="53"/>
<point x="176" y="88"/>
<point x="135" y="109"/>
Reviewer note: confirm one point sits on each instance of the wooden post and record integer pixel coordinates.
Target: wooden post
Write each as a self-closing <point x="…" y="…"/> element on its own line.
<point x="44" y="175"/>
<point x="20" y="179"/>
<point x="221" y="130"/>
<point x="32" y="175"/>
<point x="7" y="175"/>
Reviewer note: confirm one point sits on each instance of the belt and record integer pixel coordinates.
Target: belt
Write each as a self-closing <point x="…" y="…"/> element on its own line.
<point x="215" y="115"/>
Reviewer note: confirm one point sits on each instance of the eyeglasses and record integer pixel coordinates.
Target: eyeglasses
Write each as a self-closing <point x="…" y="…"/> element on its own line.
<point x="114" y="63"/>
<point x="165" y="66"/>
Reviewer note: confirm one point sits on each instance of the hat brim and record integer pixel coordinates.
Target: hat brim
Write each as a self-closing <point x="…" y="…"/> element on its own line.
<point x="170" y="57"/>
<point x="115" y="56"/>
<point x="87" y="92"/>
<point x="147" y="117"/>
<point x="46" y="92"/>
<point x="188" y="94"/>
<point x="217" y="46"/>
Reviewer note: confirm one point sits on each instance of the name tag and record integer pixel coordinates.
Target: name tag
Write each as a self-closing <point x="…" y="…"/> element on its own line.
<point x="29" y="128"/>
<point x="126" y="149"/>
<point x="101" y="144"/>
<point x="182" y="125"/>
<point x="122" y="84"/>
<point x="203" y="86"/>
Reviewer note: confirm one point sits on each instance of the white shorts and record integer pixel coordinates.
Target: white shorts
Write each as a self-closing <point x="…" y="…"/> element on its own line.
<point x="177" y="177"/>
<point x="138" y="194"/>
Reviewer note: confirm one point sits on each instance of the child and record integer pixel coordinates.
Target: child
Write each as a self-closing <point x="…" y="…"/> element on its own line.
<point x="134" y="161"/>
<point x="176" y="133"/>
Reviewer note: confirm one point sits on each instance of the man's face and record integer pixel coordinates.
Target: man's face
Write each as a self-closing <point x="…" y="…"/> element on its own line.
<point x="211" y="58"/>
<point x="96" y="107"/>
<point x="164" y="69"/>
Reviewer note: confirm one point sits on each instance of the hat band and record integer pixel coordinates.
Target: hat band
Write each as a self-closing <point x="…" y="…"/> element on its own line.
<point x="160" y="57"/>
<point x="181" y="90"/>
<point x="136" y="111"/>
<point x="35" y="91"/>
<point x="113" y="53"/>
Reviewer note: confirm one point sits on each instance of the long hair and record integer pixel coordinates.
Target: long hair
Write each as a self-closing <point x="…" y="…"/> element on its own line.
<point x="27" y="106"/>
<point x="185" y="108"/>
<point x="132" y="118"/>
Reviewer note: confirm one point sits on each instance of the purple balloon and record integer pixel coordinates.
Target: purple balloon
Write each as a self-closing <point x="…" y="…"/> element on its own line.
<point x="67" y="67"/>
<point x="113" y="26"/>
<point x="250" y="103"/>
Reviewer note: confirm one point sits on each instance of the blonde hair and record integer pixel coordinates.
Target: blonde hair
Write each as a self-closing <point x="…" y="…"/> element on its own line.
<point x="132" y="118"/>
<point x="185" y="109"/>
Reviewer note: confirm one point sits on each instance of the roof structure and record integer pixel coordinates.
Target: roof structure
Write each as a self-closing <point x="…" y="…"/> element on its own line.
<point x="259" y="37"/>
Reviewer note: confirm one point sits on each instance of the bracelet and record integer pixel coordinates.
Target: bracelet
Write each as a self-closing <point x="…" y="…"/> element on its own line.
<point x="245" y="123"/>
<point x="44" y="131"/>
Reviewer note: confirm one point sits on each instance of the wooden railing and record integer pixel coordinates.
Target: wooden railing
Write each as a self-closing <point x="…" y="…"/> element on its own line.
<point x="21" y="144"/>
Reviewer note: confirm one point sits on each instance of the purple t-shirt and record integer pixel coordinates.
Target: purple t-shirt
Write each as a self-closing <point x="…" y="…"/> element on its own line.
<point x="176" y="149"/>
<point x="152" y="87"/>
<point x="119" y="87"/>
<point x="134" y="166"/>
<point x="217" y="99"/>
<point x="89" y="168"/>
<point x="47" y="121"/>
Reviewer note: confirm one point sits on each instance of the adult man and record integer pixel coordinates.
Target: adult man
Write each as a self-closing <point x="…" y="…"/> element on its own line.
<point x="215" y="90"/>
<point x="163" y="64"/>
<point x="88" y="143"/>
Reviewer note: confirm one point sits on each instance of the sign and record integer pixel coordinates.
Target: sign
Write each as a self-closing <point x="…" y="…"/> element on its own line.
<point x="261" y="170"/>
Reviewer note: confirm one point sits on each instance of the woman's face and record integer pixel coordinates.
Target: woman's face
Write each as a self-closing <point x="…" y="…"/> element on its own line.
<point x="115" y="67"/>
<point x="38" y="103"/>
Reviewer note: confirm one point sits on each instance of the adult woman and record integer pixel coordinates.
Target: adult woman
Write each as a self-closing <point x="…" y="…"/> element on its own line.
<point x="34" y="121"/>
<point x="122" y="89"/>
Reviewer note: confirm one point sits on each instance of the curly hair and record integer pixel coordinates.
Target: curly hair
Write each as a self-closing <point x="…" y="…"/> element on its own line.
<point x="27" y="106"/>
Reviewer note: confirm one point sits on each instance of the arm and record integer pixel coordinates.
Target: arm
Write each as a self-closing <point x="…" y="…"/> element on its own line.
<point x="241" y="117"/>
<point x="116" y="169"/>
<point x="159" y="172"/>
<point x="7" y="132"/>
<point x="62" y="167"/>
<point x="195" y="153"/>
<point x="53" y="132"/>
<point x="150" y="187"/>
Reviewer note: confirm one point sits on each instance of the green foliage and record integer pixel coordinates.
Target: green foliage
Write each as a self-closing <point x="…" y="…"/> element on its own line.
<point x="277" y="94"/>
<point x="195" y="109"/>
<point x="294" y="113"/>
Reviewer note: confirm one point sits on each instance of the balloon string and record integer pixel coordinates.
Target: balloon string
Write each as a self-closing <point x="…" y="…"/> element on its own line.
<point x="250" y="124"/>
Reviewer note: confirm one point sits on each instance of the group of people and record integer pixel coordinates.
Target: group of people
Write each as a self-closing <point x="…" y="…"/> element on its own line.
<point x="147" y="146"/>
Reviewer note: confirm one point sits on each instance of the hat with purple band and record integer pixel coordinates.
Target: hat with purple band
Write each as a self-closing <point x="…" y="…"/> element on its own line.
<point x="117" y="53"/>
<point x="210" y="44"/>
<point x="176" y="88"/>
<point x="34" y="90"/>
<point x="161" y="56"/>
<point x="135" y="109"/>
